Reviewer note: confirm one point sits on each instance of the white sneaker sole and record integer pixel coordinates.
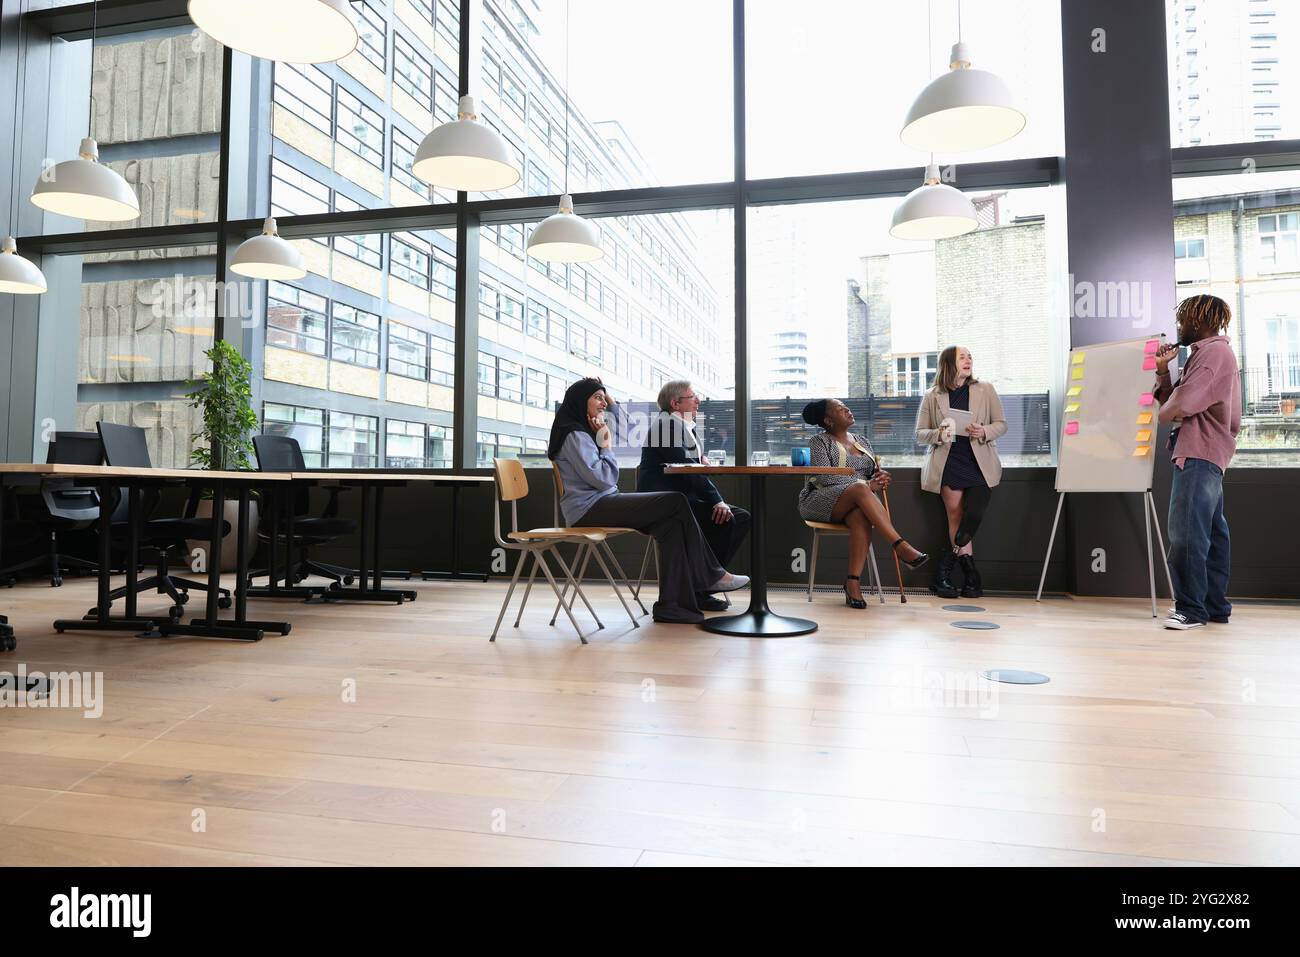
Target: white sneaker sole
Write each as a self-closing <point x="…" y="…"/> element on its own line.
<point x="737" y="582"/>
<point x="1183" y="625"/>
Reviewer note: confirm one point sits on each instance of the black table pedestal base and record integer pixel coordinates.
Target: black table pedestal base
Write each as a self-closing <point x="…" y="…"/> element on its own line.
<point x="759" y="624"/>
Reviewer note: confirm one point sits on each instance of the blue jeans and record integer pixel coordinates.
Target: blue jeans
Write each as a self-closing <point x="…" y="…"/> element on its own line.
<point x="1200" y="558"/>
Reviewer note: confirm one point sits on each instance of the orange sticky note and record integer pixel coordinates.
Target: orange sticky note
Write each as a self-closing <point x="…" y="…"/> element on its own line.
<point x="1071" y="428"/>
<point x="1144" y="435"/>
<point x="1146" y="399"/>
<point x="1141" y="450"/>
<point x="1144" y="418"/>
<point x="1075" y="390"/>
<point x="1152" y="346"/>
<point x="1077" y="358"/>
<point x="1076" y="373"/>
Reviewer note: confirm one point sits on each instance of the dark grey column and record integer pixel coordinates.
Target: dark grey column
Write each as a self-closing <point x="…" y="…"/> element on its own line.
<point x="1119" y="203"/>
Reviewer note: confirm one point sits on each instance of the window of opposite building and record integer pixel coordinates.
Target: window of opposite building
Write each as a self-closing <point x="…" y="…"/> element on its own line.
<point x="296" y="319"/>
<point x="1277" y="242"/>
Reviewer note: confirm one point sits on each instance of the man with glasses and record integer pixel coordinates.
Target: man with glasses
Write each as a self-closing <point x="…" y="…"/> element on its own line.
<point x="672" y="440"/>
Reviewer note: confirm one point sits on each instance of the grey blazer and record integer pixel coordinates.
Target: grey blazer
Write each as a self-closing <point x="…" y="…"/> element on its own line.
<point x="986" y="409"/>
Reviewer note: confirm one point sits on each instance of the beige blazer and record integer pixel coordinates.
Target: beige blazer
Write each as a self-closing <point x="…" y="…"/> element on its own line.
<point x="985" y="409"/>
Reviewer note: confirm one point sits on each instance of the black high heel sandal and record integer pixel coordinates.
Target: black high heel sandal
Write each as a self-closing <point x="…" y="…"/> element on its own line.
<point x="916" y="562"/>
<point x="849" y="599"/>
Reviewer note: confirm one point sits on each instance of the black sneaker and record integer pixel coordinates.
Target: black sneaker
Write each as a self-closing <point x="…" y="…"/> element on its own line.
<point x="1219" y="621"/>
<point x="1180" y="622"/>
<point x="675" y="614"/>
<point x="712" y="603"/>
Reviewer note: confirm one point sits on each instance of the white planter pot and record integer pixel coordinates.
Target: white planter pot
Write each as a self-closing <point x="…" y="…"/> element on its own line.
<point x="229" y="558"/>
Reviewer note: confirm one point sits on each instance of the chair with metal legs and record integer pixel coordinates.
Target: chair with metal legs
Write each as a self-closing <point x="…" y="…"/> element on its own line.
<point x="537" y="543"/>
<point x="582" y="557"/>
<point x="832" y="528"/>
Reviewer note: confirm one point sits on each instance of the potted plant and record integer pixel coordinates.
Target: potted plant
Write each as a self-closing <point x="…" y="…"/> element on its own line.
<point x="226" y="439"/>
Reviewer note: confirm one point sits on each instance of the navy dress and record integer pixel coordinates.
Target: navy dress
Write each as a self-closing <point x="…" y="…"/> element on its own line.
<point x="961" y="471"/>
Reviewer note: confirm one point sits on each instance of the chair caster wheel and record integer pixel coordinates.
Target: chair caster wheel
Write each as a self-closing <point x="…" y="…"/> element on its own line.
<point x="185" y="597"/>
<point x="224" y="602"/>
<point x="9" y="642"/>
<point x="335" y="586"/>
<point x="349" y="579"/>
<point x="176" y="612"/>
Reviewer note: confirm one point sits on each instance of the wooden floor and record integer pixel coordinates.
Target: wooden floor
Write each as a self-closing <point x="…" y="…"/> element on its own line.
<point x="872" y="741"/>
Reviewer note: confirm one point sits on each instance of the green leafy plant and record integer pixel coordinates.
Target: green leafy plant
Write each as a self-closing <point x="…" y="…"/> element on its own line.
<point x="225" y="395"/>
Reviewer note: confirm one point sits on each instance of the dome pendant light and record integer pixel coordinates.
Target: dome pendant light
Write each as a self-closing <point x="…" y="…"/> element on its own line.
<point x="962" y="110"/>
<point x="18" y="275"/>
<point x="565" y="237"/>
<point x="465" y="155"/>
<point x="933" y="211"/>
<point x="268" y="256"/>
<point x="81" y="188"/>
<point x="291" y="31"/>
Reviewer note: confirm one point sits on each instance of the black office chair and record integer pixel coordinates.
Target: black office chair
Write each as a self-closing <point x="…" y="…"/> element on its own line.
<point x="125" y="445"/>
<point x="65" y="506"/>
<point x="280" y="453"/>
<point x="7" y="640"/>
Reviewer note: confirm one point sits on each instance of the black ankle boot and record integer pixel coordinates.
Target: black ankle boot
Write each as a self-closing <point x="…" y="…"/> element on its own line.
<point x="943" y="585"/>
<point x="971" y="585"/>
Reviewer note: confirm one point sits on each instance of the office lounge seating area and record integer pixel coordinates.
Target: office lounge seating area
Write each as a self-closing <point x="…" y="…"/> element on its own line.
<point x="591" y="433"/>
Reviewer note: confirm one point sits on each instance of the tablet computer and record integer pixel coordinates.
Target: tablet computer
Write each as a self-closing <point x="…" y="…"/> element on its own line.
<point x="961" y="419"/>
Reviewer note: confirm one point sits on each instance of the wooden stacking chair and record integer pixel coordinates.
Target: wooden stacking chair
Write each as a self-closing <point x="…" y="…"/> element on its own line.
<point x="537" y="543"/>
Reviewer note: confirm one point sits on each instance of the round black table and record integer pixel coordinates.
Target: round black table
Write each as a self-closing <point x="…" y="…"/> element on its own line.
<point x="757" y="621"/>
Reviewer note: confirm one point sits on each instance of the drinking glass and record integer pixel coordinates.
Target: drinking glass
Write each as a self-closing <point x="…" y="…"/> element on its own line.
<point x="716" y="456"/>
<point x="762" y="458"/>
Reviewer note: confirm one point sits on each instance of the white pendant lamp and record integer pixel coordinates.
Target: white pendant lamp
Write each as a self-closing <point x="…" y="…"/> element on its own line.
<point x="465" y="155"/>
<point x="19" y="275"/>
<point x="565" y="237"/>
<point x="962" y="110"/>
<point x="292" y="31"/>
<point x="81" y="188"/>
<point x="268" y="256"/>
<point x="933" y="211"/>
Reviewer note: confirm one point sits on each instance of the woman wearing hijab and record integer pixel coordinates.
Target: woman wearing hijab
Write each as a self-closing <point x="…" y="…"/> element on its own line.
<point x="581" y="446"/>
<point x="849" y="499"/>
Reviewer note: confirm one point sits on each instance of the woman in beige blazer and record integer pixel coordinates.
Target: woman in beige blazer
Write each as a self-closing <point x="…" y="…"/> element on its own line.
<point x="963" y="468"/>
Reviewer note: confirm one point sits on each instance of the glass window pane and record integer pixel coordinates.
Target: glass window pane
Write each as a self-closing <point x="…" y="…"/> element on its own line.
<point x="882" y="310"/>
<point x="619" y="134"/>
<point x="1250" y="262"/>
<point x="525" y="367"/>
<point x="828" y="87"/>
<point x="1227" y="83"/>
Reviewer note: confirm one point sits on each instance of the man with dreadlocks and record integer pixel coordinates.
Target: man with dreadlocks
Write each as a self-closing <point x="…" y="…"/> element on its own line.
<point x="1205" y="407"/>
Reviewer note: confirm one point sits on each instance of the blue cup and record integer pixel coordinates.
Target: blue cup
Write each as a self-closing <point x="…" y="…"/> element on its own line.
<point x="801" y="457"/>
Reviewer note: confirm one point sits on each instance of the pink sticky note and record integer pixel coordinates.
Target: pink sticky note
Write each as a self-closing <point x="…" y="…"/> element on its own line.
<point x="1146" y="399"/>
<point x="1149" y="363"/>
<point x="1071" y="428"/>
<point x="1152" y="346"/>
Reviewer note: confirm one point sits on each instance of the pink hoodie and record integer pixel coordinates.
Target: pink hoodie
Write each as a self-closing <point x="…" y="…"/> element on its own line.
<point x="1208" y="400"/>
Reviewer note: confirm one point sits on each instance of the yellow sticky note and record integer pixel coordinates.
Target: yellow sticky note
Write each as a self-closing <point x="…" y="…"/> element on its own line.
<point x="1144" y="435"/>
<point x="1075" y="390"/>
<point x="1144" y="418"/>
<point x="1072" y="407"/>
<point x="1077" y="359"/>
<point x="1141" y="450"/>
<point x="1076" y="373"/>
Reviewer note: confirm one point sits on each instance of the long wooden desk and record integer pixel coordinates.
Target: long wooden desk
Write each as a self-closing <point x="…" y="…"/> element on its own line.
<point x="369" y="567"/>
<point x="106" y="478"/>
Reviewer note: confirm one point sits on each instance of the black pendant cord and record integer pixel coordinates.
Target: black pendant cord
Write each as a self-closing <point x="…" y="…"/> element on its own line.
<point x="18" y="105"/>
<point x="566" y="96"/>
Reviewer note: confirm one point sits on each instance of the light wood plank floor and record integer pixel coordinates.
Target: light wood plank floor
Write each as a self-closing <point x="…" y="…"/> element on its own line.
<point x="873" y="741"/>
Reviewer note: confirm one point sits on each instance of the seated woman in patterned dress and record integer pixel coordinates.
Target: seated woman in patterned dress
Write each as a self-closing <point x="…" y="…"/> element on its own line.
<point x="849" y="499"/>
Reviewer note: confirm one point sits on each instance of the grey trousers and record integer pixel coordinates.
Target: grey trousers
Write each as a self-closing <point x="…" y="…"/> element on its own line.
<point x="686" y="563"/>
